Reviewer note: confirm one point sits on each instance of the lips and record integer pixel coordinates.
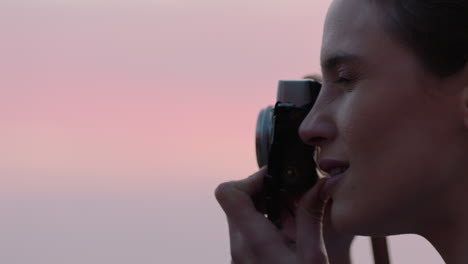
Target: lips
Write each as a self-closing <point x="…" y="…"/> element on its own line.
<point x="336" y="170"/>
<point x="333" y="167"/>
<point x="330" y="185"/>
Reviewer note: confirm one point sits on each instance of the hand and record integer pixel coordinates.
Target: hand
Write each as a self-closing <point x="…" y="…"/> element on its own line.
<point x="254" y="239"/>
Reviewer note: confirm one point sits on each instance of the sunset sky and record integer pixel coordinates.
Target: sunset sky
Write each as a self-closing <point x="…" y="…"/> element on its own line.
<point x="118" y="118"/>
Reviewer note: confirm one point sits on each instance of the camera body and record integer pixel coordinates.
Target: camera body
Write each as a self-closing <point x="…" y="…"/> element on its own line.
<point x="291" y="165"/>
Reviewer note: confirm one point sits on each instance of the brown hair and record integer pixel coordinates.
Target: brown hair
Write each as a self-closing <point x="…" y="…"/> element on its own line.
<point x="436" y="30"/>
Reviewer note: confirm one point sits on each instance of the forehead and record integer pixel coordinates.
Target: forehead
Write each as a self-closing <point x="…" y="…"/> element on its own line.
<point x="353" y="27"/>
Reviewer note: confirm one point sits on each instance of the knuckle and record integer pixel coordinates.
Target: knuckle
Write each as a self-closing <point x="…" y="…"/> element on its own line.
<point x="222" y="191"/>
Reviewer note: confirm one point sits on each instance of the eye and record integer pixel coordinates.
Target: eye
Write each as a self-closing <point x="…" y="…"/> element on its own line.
<point x="345" y="75"/>
<point x="343" y="80"/>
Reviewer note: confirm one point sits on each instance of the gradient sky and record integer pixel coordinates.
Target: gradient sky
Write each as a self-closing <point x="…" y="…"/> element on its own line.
<point x="119" y="118"/>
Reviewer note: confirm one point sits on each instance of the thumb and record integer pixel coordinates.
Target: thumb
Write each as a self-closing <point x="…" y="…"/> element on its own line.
<point x="309" y="220"/>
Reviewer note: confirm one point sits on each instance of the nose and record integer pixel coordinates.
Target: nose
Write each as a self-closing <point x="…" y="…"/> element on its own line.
<point x="318" y="127"/>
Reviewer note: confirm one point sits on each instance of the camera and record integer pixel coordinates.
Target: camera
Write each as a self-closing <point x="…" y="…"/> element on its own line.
<point x="291" y="165"/>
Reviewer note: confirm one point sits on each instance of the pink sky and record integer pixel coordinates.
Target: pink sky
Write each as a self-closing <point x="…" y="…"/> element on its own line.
<point x="119" y="118"/>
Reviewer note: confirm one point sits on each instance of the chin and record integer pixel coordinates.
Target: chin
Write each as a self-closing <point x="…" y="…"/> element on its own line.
<point x="348" y="219"/>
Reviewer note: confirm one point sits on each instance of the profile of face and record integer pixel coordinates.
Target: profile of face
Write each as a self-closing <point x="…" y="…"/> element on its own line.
<point x="400" y="128"/>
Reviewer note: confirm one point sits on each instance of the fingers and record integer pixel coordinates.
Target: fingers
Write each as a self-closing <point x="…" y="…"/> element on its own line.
<point x="235" y="197"/>
<point x="246" y="223"/>
<point x="253" y="238"/>
<point x="309" y="219"/>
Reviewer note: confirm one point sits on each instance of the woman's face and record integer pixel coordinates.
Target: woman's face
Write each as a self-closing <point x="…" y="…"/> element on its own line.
<point x="396" y="125"/>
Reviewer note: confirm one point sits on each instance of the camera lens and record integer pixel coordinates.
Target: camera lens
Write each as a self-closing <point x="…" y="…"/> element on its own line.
<point x="263" y="135"/>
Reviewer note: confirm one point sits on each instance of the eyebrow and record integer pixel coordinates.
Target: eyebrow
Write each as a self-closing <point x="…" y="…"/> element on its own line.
<point x="337" y="59"/>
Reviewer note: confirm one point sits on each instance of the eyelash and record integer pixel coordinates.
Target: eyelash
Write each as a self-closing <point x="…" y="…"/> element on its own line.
<point x="343" y="80"/>
<point x="344" y="76"/>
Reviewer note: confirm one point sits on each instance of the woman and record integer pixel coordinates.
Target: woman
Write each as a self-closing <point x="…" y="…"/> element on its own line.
<point x="393" y="115"/>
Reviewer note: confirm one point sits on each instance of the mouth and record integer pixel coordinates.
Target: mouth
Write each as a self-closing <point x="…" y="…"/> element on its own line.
<point x="335" y="170"/>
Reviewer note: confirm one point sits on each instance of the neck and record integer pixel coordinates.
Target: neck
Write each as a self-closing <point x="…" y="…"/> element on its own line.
<point x="448" y="233"/>
<point x="451" y="244"/>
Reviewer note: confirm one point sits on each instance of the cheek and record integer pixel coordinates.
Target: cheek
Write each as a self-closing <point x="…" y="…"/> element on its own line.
<point x="390" y="156"/>
<point x="367" y="128"/>
<point x="367" y="123"/>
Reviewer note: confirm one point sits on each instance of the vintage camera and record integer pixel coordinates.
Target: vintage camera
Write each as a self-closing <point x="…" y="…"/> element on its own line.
<point x="291" y="165"/>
